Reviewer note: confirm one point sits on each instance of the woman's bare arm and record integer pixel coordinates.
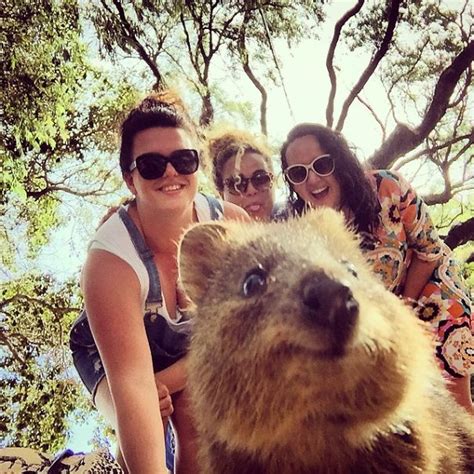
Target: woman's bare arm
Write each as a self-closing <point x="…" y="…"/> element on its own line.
<point x="418" y="275"/>
<point x="112" y="297"/>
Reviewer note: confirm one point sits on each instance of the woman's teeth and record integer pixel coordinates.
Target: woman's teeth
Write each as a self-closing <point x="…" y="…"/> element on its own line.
<point x="253" y="208"/>
<point x="171" y="187"/>
<point x="319" y="191"/>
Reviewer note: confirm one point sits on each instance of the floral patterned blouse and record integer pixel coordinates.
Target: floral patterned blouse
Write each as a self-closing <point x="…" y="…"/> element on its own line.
<point x="406" y="228"/>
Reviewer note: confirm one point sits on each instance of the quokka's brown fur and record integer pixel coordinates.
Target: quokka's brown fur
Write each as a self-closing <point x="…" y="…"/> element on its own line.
<point x="301" y="362"/>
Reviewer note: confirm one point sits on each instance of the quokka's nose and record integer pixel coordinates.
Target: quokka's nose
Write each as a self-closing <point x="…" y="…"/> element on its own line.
<point x="329" y="303"/>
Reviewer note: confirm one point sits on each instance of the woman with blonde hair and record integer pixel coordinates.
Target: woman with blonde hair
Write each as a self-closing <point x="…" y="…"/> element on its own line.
<point x="242" y="170"/>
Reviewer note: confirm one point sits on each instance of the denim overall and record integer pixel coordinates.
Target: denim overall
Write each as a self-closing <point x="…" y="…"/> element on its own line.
<point x="168" y="340"/>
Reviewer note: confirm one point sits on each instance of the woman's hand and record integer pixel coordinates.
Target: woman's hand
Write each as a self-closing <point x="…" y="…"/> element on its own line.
<point x="166" y="403"/>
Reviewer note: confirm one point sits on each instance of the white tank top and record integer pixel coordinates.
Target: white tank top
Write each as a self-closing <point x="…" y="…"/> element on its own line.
<point x="113" y="237"/>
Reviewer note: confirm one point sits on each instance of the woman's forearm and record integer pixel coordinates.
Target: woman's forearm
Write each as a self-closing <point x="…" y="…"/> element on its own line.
<point x="174" y="376"/>
<point x="140" y="429"/>
<point x="461" y="390"/>
<point x="418" y="275"/>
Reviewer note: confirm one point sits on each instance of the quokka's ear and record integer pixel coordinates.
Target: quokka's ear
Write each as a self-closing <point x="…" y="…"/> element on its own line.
<point x="201" y="251"/>
<point x="325" y="219"/>
<point x="332" y="226"/>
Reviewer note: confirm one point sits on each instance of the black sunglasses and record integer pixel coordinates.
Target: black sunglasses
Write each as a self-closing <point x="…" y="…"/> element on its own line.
<point x="322" y="165"/>
<point x="153" y="165"/>
<point x="261" y="180"/>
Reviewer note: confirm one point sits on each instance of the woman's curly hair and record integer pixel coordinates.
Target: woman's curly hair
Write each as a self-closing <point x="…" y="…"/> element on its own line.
<point x="223" y="143"/>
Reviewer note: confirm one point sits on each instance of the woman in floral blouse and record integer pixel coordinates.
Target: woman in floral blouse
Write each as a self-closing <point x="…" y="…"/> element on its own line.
<point x="398" y="238"/>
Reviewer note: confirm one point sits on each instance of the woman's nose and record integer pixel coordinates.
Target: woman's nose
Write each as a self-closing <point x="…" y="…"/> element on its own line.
<point x="169" y="170"/>
<point x="251" y="190"/>
<point x="313" y="177"/>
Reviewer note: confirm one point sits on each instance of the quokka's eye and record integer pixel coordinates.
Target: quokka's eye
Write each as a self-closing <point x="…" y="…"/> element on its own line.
<point x="350" y="267"/>
<point x="255" y="282"/>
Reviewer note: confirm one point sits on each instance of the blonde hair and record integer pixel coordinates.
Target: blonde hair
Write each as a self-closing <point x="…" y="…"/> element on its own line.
<point x="224" y="142"/>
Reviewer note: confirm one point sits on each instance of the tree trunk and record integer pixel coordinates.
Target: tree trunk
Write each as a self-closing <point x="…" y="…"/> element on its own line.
<point x="207" y="110"/>
<point x="460" y="234"/>
<point x="404" y="139"/>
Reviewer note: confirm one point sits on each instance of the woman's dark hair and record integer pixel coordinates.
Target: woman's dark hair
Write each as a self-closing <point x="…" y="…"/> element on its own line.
<point x="356" y="192"/>
<point x="162" y="109"/>
<point x="224" y="143"/>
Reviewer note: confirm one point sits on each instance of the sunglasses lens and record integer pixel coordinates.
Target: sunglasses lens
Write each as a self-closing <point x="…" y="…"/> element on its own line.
<point x="261" y="180"/>
<point x="241" y="186"/>
<point x="151" y="166"/>
<point x="324" y="166"/>
<point x="185" y="161"/>
<point x="233" y="185"/>
<point x="297" y="174"/>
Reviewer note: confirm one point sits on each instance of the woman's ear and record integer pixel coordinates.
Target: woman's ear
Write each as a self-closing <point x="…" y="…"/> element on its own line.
<point x="127" y="177"/>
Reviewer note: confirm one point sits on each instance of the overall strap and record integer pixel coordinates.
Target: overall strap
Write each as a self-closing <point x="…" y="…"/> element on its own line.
<point x="215" y="208"/>
<point x="146" y="255"/>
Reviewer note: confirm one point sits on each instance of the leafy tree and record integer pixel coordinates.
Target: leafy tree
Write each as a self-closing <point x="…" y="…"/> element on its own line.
<point x="209" y="31"/>
<point x="37" y="389"/>
<point x="58" y="132"/>
<point x="424" y="52"/>
<point x="59" y="119"/>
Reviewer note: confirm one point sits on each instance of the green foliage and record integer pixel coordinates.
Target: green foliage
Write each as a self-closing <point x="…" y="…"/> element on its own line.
<point x="444" y="217"/>
<point x="37" y="389"/>
<point x="187" y="39"/>
<point x="427" y="37"/>
<point x="462" y="254"/>
<point x="59" y="124"/>
<point x="43" y="62"/>
<point x="56" y="140"/>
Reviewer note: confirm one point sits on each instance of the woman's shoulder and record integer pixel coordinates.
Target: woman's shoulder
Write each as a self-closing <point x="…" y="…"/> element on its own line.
<point x="208" y="207"/>
<point x="385" y="182"/>
<point x="384" y="175"/>
<point x="114" y="237"/>
<point x="109" y="227"/>
<point x="211" y="208"/>
<point x="234" y="212"/>
<point x="119" y="252"/>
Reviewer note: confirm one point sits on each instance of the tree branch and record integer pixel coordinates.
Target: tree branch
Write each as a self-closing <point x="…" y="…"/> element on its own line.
<point x="430" y="151"/>
<point x="403" y="138"/>
<point x="128" y="30"/>
<point x="374" y="115"/>
<point x="11" y="348"/>
<point x="380" y="53"/>
<point x="460" y="234"/>
<point x="244" y="56"/>
<point x="330" y="59"/>
<point x="22" y="298"/>
<point x="449" y="191"/>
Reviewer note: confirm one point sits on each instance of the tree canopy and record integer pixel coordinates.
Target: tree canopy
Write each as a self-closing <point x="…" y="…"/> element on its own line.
<point x="72" y="68"/>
